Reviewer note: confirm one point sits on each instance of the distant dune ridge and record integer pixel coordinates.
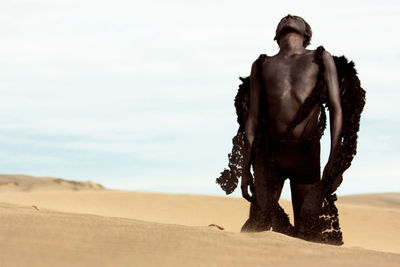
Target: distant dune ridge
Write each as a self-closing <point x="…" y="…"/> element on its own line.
<point x="386" y="200"/>
<point x="19" y="182"/>
<point x="55" y="222"/>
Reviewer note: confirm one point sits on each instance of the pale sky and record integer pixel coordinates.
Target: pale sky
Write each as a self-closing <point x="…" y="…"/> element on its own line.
<point x="138" y="95"/>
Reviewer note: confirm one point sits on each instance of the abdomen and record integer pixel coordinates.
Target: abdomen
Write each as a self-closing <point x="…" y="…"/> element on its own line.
<point x="282" y="113"/>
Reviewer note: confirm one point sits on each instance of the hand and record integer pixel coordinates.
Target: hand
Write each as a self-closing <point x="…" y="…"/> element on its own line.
<point x="247" y="180"/>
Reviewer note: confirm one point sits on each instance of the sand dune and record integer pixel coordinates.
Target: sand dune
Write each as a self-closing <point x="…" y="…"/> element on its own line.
<point x="121" y="228"/>
<point x="19" y="182"/>
<point x="386" y="200"/>
<point x="32" y="238"/>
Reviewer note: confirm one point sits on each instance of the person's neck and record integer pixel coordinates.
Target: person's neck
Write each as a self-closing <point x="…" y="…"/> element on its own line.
<point x="291" y="44"/>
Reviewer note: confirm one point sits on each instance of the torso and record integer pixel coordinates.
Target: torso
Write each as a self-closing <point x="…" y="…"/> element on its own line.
<point x="288" y="82"/>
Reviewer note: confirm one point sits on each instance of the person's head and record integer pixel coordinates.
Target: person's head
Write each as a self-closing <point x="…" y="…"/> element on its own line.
<point x="294" y="23"/>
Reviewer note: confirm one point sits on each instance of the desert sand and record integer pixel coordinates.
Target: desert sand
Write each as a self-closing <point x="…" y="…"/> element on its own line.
<point x="69" y="223"/>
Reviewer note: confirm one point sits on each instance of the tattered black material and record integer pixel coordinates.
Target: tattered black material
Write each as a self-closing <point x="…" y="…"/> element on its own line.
<point x="319" y="214"/>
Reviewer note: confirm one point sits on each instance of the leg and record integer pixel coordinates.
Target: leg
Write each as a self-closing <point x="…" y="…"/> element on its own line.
<point x="264" y="190"/>
<point x="278" y="192"/>
<point x="305" y="174"/>
<point x="265" y="212"/>
<point x="267" y="191"/>
<point x="299" y="191"/>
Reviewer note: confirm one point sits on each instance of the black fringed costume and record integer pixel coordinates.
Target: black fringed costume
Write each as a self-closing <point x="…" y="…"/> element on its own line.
<point x="318" y="213"/>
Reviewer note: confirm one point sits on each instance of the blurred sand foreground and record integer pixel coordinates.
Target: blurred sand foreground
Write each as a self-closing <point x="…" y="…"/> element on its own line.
<point x="50" y="223"/>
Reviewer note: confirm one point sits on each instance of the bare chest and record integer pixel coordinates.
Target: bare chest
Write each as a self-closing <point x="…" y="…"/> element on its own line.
<point x="290" y="77"/>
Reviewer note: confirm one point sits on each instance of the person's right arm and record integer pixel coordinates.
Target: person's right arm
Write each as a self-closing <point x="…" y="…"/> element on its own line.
<point x="251" y="128"/>
<point x="252" y="118"/>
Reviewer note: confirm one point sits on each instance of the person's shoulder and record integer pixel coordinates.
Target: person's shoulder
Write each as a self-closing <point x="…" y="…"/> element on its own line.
<point x="321" y="55"/>
<point x="259" y="60"/>
<point x="323" y="52"/>
<point x="327" y="58"/>
<point x="324" y="57"/>
<point x="261" y="57"/>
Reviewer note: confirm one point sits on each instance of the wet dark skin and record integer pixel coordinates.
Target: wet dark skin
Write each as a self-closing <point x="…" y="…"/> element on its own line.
<point x="289" y="78"/>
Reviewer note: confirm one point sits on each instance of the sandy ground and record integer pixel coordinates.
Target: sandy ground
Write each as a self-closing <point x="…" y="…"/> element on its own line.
<point x="59" y="227"/>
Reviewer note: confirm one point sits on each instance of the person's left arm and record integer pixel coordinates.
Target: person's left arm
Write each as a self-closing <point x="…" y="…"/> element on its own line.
<point x="335" y="108"/>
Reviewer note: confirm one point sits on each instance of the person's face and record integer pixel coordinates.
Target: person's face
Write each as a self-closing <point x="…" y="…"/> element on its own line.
<point x="291" y="23"/>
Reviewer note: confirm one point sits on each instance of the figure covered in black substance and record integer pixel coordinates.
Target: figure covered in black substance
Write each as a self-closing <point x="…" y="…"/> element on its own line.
<point x="281" y="115"/>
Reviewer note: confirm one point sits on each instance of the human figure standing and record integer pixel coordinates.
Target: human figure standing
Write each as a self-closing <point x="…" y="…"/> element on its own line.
<point x="283" y="82"/>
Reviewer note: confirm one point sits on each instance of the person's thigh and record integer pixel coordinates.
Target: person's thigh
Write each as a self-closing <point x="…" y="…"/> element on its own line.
<point x="299" y="192"/>
<point x="267" y="181"/>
